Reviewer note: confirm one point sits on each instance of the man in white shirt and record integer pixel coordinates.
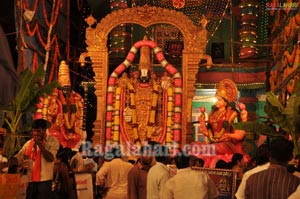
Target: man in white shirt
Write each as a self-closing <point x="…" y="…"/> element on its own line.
<point x="37" y="156"/>
<point x="262" y="162"/>
<point x="113" y="175"/>
<point x="159" y="173"/>
<point x="188" y="183"/>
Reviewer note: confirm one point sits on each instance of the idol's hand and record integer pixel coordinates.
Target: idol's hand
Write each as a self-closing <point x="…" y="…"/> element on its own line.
<point x="225" y="137"/>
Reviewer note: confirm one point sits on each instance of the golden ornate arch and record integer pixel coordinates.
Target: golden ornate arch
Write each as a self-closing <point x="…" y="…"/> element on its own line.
<point x="194" y="39"/>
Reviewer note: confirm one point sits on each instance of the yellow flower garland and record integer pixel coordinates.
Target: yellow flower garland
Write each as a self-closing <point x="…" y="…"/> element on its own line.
<point x="170" y="115"/>
<point x="116" y="133"/>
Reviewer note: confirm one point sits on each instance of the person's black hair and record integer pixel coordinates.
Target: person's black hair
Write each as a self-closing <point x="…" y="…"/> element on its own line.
<point x="153" y="144"/>
<point x="262" y="154"/>
<point x="194" y="159"/>
<point x="182" y="160"/>
<point x="161" y="153"/>
<point x="234" y="159"/>
<point x="145" y="148"/>
<point x="64" y="154"/>
<point x="281" y="150"/>
<point x="221" y="164"/>
<point x="201" y="161"/>
<point x="40" y="123"/>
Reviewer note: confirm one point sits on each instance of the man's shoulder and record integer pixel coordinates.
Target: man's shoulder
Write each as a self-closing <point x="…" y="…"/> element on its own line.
<point x="256" y="169"/>
<point x="257" y="175"/>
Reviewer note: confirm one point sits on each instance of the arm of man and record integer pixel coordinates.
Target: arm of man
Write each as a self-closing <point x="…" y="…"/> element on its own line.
<point x="101" y="174"/>
<point x="162" y="183"/>
<point x="166" y="192"/>
<point x="46" y="154"/>
<point x="48" y="148"/>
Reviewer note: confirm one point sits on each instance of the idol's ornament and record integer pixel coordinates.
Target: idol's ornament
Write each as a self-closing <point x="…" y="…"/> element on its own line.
<point x="142" y="107"/>
<point x="248" y="31"/>
<point x="64" y="110"/>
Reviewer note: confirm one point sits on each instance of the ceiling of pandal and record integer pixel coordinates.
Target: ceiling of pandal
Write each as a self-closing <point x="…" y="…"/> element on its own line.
<point x="213" y="10"/>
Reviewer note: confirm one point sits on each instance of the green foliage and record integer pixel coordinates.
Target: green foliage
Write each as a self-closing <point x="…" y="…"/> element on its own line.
<point x="286" y="117"/>
<point x="260" y="128"/>
<point x="28" y="95"/>
<point x="275" y="111"/>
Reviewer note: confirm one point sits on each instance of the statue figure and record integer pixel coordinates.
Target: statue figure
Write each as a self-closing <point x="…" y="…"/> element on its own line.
<point x="64" y="110"/>
<point x="219" y="126"/>
<point x="139" y="110"/>
<point x="142" y="112"/>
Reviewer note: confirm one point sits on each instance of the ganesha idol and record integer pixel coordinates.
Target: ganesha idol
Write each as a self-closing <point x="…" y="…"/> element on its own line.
<point x="64" y="110"/>
<point x="221" y="139"/>
<point x="142" y="106"/>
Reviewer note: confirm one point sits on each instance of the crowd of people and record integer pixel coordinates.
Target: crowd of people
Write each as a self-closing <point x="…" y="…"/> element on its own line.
<point x="50" y="167"/>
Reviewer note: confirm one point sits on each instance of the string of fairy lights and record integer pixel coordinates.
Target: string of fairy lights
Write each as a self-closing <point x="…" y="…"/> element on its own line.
<point x="214" y="11"/>
<point x="262" y="29"/>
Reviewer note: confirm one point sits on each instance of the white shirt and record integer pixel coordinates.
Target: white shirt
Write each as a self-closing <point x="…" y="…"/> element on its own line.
<point x="240" y="194"/>
<point x="52" y="145"/>
<point x="156" y="180"/>
<point x="296" y="194"/>
<point x="191" y="184"/>
<point x="114" y="175"/>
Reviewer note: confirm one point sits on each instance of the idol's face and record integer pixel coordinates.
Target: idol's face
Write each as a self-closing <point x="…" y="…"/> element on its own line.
<point x="144" y="75"/>
<point x="66" y="90"/>
<point x="220" y="102"/>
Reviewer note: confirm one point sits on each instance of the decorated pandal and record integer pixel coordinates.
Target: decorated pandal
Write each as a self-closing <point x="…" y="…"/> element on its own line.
<point x="143" y="106"/>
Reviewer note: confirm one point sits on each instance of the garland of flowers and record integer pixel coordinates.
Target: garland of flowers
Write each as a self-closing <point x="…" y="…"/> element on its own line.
<point x="133" y="109"/>
<point x="68" y="123"/>
<point x="116" y="123"/>
<point x="151" y="119"/>
<point x="169" y="115"/>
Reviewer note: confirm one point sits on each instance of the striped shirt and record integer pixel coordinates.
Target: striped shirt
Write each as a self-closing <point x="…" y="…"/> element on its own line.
<point x="273" y="183"/>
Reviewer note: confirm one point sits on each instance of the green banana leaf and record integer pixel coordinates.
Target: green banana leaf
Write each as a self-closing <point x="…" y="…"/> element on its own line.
<point x="257" y="127"/>
<point x="276" y="112"/>
<point x="28" y="95"/>
<point x="292" y="108"/>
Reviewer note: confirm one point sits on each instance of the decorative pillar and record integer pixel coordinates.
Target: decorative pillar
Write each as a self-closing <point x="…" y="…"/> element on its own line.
<point x="248" y="31"/>
<point x="191" y="64"/>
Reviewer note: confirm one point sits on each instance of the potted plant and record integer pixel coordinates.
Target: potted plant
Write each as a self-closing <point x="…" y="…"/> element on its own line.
<point x="28" y="95"/>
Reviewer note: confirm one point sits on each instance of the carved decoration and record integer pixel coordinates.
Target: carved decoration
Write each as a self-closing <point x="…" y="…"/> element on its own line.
<point x="194" y="50"/>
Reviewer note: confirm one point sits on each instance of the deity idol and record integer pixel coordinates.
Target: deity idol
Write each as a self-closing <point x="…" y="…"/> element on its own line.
<point x="64" y="110"/>
<point x="143" y="108"/>
<point x="218" y="129"/>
